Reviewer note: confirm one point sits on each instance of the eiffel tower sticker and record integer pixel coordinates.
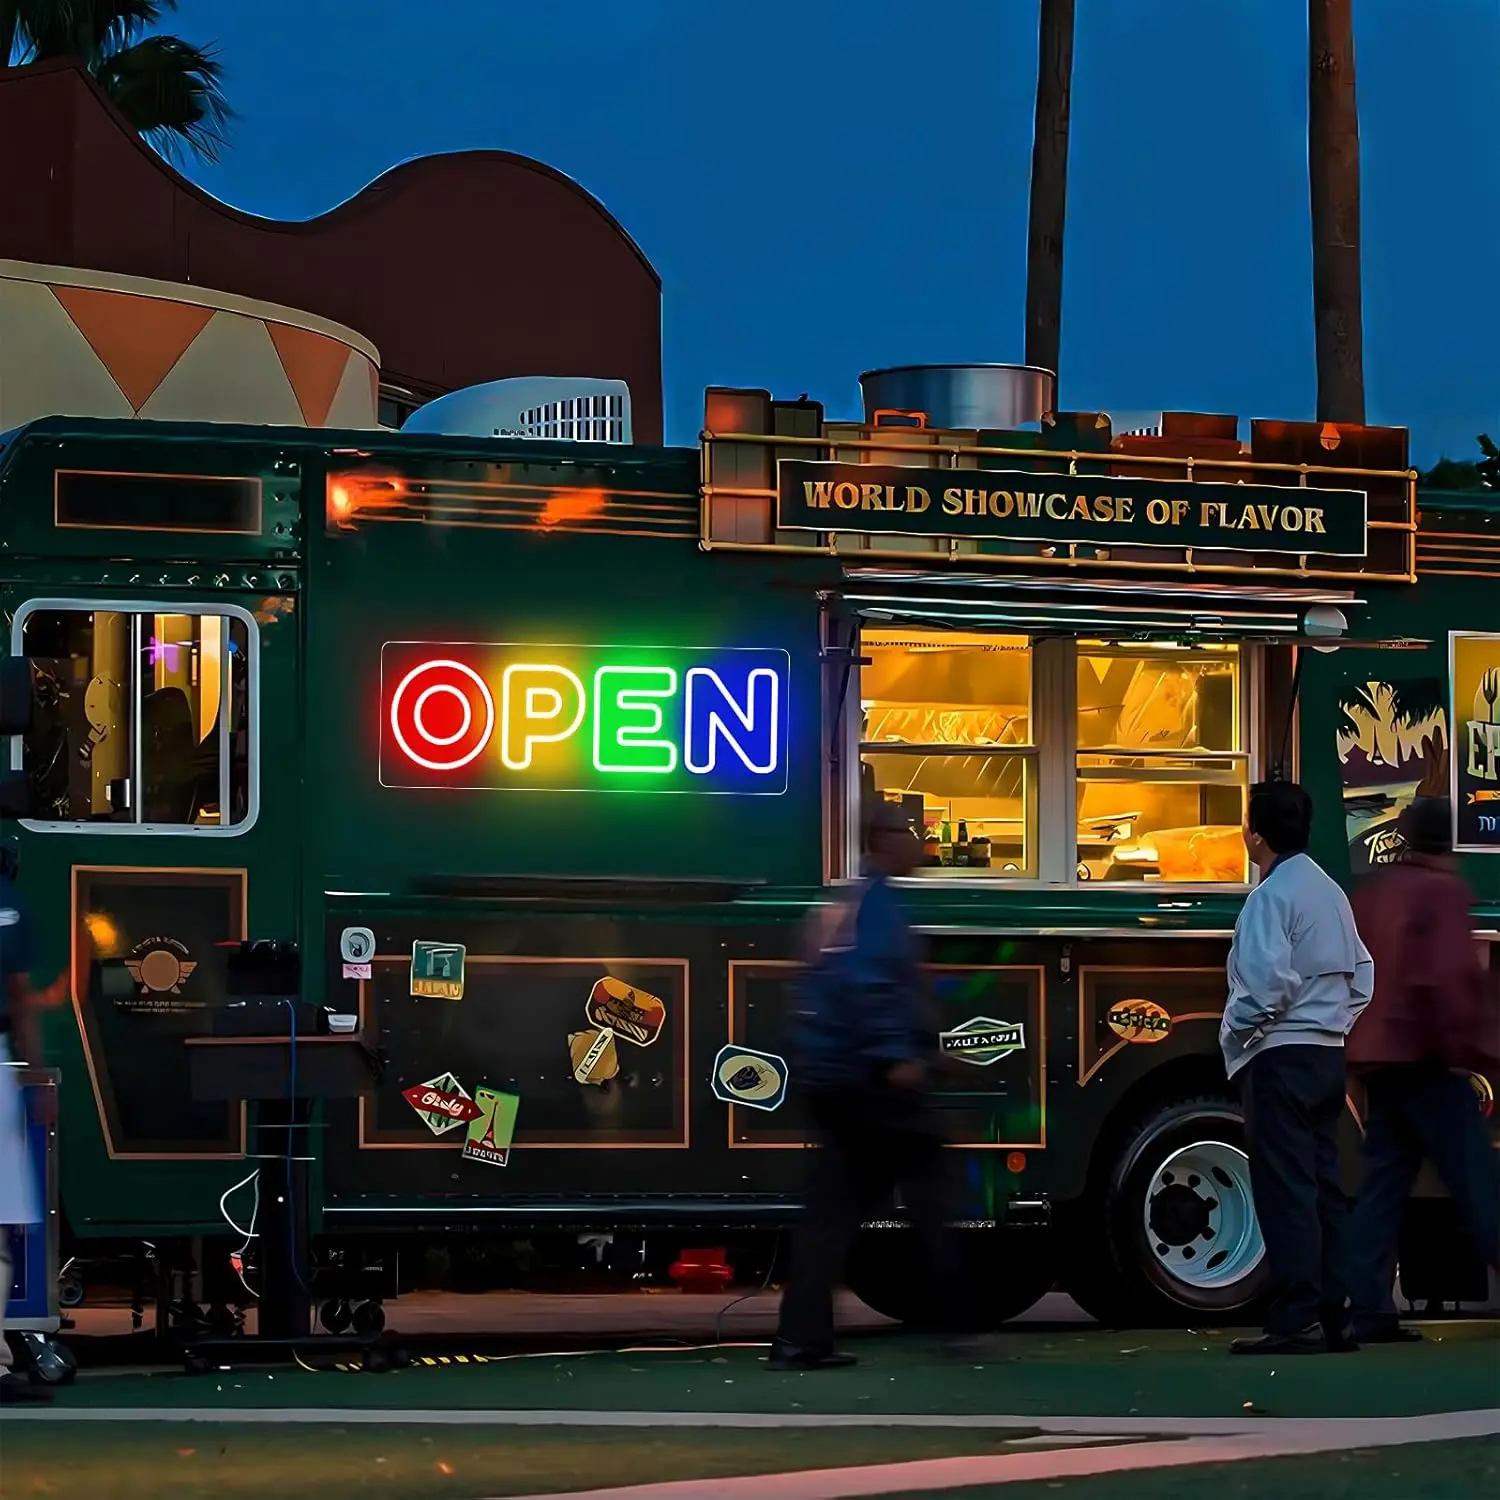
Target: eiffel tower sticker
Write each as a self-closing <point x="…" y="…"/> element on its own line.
<point x="489" y="1137"/>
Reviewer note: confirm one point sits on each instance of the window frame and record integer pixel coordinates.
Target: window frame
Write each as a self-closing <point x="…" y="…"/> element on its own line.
<point x="1054" y="746"/>
<point x="135" y="608"/>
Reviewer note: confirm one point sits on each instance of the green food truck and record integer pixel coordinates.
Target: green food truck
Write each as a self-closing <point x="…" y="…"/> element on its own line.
<point x="434" y="820"/>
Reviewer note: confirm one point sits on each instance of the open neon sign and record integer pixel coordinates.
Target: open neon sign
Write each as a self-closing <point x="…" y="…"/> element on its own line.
<point x="505" y="716"/>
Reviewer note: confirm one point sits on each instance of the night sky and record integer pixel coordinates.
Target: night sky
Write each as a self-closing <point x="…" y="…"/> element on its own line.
<point x="830" y="185"/>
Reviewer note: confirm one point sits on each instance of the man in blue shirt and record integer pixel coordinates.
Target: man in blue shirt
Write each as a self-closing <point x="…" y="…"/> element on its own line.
<point x="864" y="1049"/>
<point x="19" y="1039"/>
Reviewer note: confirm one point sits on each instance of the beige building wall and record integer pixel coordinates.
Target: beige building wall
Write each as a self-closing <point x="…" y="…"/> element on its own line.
<point x="91" y="344"/>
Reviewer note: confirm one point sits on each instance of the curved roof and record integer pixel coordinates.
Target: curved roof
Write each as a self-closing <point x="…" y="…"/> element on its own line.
<point x="425" y="260"/>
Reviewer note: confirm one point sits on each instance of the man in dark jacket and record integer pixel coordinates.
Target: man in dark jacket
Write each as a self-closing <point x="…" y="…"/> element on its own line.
<point x="864" y="1050"/>
<point x="1433" y="1021"/>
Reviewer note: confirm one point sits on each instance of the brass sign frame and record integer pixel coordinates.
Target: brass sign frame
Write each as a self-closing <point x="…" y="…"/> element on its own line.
<point x="1062" y="556"/>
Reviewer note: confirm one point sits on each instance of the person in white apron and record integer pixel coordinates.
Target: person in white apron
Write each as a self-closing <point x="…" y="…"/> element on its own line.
<point x="19" y="1043"/>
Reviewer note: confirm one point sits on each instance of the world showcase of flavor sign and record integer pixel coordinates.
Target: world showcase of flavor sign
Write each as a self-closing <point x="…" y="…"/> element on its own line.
<point x="1063" y="508"/>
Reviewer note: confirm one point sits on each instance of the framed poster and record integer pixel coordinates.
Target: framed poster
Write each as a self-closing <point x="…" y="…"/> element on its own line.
<point x="1474" y="678"/>
<point x="1392" y="746"/>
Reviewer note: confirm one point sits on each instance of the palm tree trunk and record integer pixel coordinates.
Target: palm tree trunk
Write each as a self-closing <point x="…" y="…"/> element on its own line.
<point x="1333" y="180"/>
<point x="1049" y="185"/>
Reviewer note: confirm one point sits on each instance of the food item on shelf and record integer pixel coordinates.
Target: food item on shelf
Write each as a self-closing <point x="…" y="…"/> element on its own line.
<point x="1214" y="854"/>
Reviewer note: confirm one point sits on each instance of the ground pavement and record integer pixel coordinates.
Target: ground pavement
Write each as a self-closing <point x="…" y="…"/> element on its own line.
<point x="1077" y="1411"/>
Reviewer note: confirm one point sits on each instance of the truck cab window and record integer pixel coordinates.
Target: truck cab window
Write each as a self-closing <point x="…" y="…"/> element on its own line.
<point x="1161" y="764"/>
<point x="142" y="718"/>
<point x="947" y="732"/>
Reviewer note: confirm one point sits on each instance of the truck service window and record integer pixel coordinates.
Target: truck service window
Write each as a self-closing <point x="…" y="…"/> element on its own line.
<point x="1161" y="764"/>
<point x="142" y="718"/>
<point x="947" y="732"/>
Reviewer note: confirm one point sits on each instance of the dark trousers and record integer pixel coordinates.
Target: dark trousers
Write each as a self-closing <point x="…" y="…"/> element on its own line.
<point x="867" y="1141"/>
<point x="1413" y="1115"/>
<point x="1293" y="1099"/>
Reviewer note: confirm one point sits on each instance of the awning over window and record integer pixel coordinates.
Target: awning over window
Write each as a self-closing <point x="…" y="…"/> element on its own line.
<point x="1112" y="609"/>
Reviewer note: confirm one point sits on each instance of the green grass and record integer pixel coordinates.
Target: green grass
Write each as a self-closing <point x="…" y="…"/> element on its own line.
<point x="1465" y="1470"/>
<point x="194" y="1461"/>
<point x="1088" y="1373"/>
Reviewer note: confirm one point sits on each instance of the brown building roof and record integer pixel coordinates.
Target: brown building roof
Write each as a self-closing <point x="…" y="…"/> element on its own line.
<point x="461" y="268"/>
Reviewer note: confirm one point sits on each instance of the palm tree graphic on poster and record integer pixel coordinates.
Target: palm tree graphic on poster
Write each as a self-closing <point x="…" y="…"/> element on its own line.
<point x="1393" y="745"/>
<point x="169" y="90"/>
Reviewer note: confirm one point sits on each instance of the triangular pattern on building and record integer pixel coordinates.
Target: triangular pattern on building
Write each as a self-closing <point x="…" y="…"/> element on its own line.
<point x="314" y="364"/>
<point x="138" y="339"/>
<point x="231" y="373"/>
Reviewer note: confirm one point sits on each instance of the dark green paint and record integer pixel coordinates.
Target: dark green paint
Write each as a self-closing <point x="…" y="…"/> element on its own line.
<point x="327" y="827"/>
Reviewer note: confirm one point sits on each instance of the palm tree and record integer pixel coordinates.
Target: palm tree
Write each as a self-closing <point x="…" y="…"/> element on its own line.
<point x="1049" y="185"/>
<point x="1333" y="181"/>
<point x="168" y="89"/>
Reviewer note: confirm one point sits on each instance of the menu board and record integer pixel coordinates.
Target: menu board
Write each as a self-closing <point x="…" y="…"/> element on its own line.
<point x="1474" y="672"/>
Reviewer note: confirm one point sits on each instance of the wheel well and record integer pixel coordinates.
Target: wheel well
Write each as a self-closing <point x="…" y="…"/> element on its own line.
<point x="1182" y="1078"/>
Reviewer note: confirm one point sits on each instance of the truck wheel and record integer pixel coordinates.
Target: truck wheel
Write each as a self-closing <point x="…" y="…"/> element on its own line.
<point x="1168" y="1233"/>
<point x="1004" y="1272"/>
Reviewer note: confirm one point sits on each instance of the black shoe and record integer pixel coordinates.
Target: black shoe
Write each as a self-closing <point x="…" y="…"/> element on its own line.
<point x="1311" y="1340"/>
<point x="1388" y="1333"/>
<point x="785" y="1356"/>
<point x="1340" y="1340"/>
<point x="17" y="1389"/>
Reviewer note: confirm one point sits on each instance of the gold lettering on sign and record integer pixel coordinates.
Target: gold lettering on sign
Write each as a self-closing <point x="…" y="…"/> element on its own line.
<point x="1078" y="508"/>
<point x="1484" y="751"/>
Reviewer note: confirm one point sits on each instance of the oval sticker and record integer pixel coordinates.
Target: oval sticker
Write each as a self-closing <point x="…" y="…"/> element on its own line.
<point x="744" y="1076"/>
<point x="1139" y="1021"/>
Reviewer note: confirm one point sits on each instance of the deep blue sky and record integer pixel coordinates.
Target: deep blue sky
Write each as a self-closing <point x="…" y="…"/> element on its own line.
<point x="829" y="185"/>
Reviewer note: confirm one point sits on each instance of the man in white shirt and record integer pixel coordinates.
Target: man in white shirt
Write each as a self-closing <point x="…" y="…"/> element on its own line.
<point x="1298" y="978"/>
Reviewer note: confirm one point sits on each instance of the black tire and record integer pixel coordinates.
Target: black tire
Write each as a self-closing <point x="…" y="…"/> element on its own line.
<point x="1004" y="1272"/>
<point x="369" y="1319"/>
<point x="335" y="1316"/>
<point x="71" y="1291"/>
<point x="1196" y="1262"/>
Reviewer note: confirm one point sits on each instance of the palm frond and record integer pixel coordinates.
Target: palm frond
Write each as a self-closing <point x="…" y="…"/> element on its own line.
<point x="1414" y="700"/>
<point x="85" y="29"/>
<point x="170" y="91"/>
<point x="1353" y="696"/>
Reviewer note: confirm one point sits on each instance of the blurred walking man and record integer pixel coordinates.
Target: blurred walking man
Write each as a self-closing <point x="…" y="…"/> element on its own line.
<point x="19" y="1036"/>
<point x="1298" y="978"/>
<point x="1434" y="1021"/>
<point x="865" y="1052"/>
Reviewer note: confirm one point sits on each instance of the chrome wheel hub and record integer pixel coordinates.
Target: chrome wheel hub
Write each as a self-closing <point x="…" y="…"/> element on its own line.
<point x="1199" y="1217"/>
